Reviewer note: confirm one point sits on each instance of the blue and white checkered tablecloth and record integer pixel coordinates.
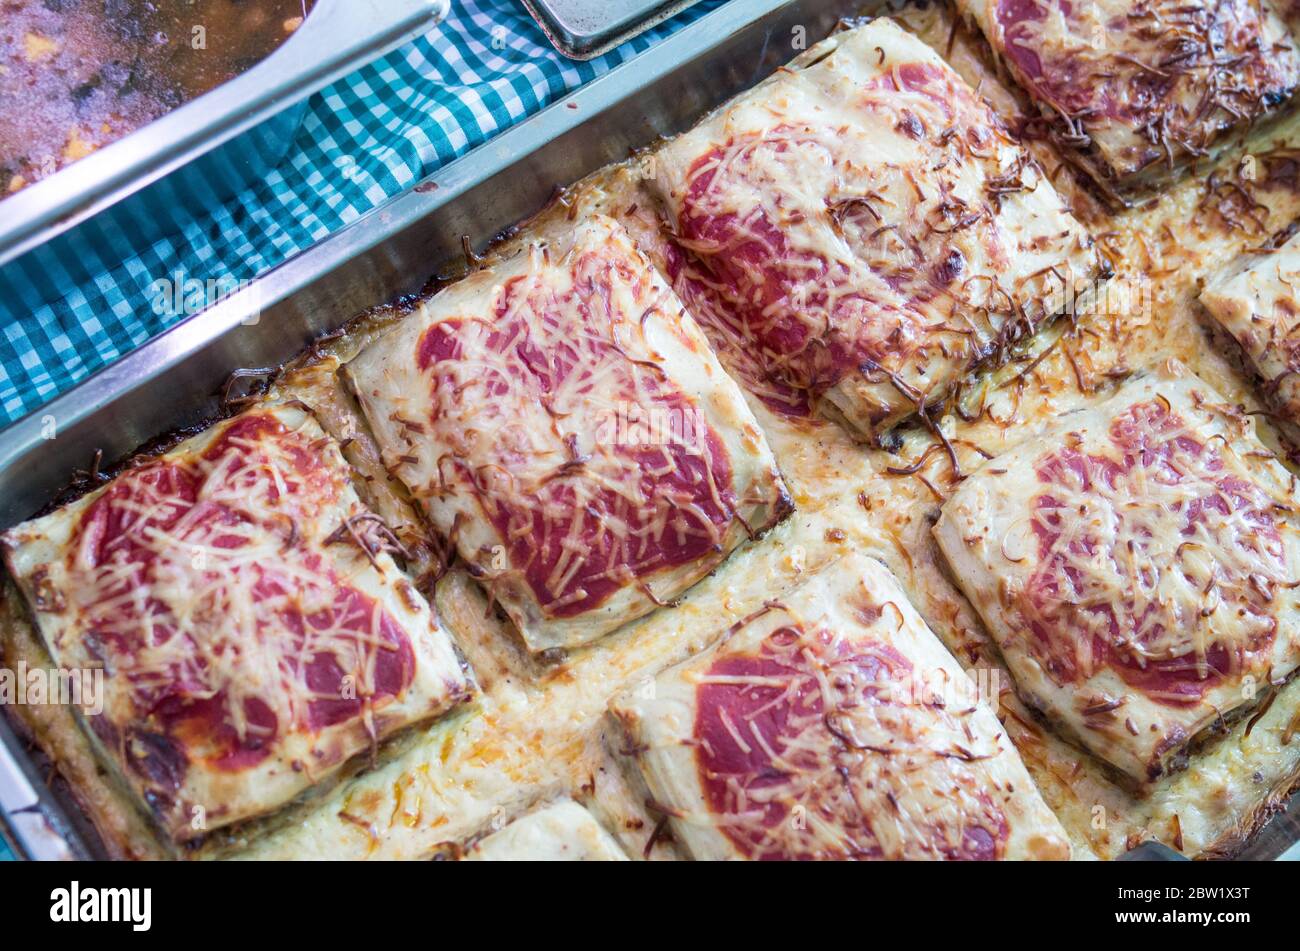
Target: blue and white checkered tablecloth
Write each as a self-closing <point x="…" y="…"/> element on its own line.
<point x="366" y="138"/>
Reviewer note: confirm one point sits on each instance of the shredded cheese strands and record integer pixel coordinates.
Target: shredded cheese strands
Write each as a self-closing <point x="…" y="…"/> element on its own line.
<point x="823" y="753"/>
<point x="596" y="468"/>
<point x="864" y="239"/>
<point x="1157" y="551"/>
<point x="207" y="589"/>
<point x="1260" y="307"/>
<point x="1151" y="81"/>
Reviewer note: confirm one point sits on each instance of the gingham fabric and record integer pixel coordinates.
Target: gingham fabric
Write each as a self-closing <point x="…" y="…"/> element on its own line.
<point x="366" y="138"/>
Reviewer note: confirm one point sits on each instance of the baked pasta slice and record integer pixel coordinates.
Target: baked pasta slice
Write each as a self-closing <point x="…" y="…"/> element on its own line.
<point x="252" y="631"/>
<point x="1137" y="564"/>
<point x="564" y="422"/>
<point x="1140" y="87"/>
<point x="561" y="832"/>
<point x="833" y="725"/>
<point x="860" y="232"/>
<point x="1259" y="306"/>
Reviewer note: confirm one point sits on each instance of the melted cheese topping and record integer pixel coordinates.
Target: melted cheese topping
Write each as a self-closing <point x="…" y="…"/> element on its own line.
<point x="1159" y="553"/>
<point x="201" y="581"/>
<point x="560" y="832"/>
<point x="248" y="649"/>
<point x="860" y="233"/>
<point x="804" y="754"/>
<point x="562" y="424"/>
<point x="514" y="398"/>
<point x="1260" y="307"/>
<point x="832" y="725"/>
<point x="1137" y="571"/>
<point x="1147" y="82"/>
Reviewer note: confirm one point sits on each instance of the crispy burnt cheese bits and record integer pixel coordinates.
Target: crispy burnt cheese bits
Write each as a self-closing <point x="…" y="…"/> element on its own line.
<point x="560" y="832"/>
<point x="563" y="422"/>
<point x="1258" y="305"/>
<point x="860" y="233"/>
<point x="253" y="632"/>
<point x="833" y="725"/>
<point x="1137" y="563"/>
<point x="1137" y="89"/>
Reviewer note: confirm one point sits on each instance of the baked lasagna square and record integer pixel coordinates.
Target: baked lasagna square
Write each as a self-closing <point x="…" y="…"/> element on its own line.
<point x="563" y="421"/>
<point x="1259" y="306"/>
<point x="1139" y="86"/>
<point x="561" y="832"/>
<point x="1137" y="564"/>
<point x="833" y="725"/>
<point x="860" y="232"/>
<point x="253" y="632"/>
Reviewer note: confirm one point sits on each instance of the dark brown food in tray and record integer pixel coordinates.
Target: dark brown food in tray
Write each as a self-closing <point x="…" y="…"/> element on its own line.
<point x="78" y="74"/>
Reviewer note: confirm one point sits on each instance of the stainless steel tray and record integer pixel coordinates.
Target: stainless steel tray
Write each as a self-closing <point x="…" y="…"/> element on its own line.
<point x="582" y="29"/>
<point x="175" y="380"/>
<point x="210" y="148"/>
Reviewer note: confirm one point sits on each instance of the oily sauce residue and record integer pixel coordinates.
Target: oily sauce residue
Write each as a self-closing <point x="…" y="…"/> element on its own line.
<point x="76" y="75"/>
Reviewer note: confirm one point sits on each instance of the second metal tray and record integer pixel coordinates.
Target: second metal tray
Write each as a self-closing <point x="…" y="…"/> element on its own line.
<point x="583" y="29"/>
